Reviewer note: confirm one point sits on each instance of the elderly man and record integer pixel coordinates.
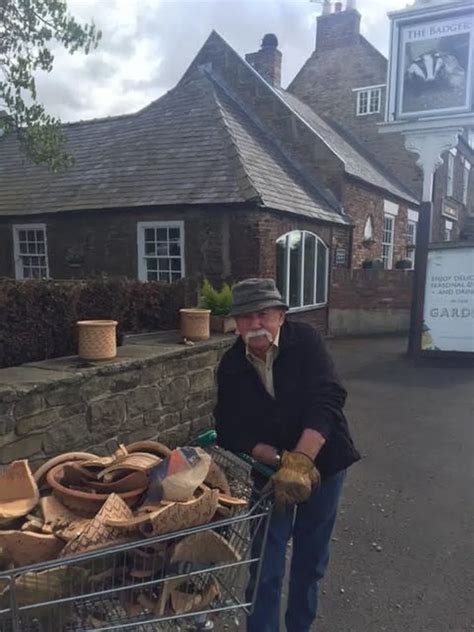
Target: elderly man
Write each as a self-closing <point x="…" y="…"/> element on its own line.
<point x="280" y="401"/>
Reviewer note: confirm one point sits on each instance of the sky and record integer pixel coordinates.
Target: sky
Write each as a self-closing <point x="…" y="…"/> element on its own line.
<point x="147" y="45"/>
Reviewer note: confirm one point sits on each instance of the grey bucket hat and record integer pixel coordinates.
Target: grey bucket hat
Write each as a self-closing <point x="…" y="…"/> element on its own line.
<point x="253" y="295"/>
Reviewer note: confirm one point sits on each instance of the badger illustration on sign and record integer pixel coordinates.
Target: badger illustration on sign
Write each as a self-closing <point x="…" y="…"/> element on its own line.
<point x="436" y="67"/>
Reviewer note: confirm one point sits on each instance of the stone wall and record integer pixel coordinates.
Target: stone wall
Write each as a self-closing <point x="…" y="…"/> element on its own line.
<point x="156" y="388"/>
<point x="365" y="302"/>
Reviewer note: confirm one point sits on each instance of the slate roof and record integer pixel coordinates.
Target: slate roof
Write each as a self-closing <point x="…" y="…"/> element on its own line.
<point x="356" y="161"/>
<point x="194" y="145"/>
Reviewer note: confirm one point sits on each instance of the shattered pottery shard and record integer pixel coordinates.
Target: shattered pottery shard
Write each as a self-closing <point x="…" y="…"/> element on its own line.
<point x="18" y="491"/>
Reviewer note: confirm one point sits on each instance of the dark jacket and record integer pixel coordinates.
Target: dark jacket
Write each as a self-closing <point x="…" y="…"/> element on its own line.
<point x="308" y="394"/>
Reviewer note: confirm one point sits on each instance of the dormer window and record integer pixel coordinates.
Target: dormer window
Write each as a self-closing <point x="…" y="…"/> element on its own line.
<point x="369" y="100"/>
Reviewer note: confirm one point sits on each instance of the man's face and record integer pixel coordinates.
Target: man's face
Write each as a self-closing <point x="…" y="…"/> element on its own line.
<point x="259" y="329"/>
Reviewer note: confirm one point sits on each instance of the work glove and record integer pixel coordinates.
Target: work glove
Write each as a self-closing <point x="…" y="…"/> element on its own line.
<point x="294" y="481"/>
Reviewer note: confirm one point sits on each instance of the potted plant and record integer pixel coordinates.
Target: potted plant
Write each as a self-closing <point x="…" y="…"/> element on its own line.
<point x="373" y="264"/>
<point x="404" y="264"/>
<point x="219" y="302"/>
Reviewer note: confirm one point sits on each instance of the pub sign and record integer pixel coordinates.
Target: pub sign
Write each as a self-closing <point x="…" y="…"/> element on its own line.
<point x="432" y="62"/>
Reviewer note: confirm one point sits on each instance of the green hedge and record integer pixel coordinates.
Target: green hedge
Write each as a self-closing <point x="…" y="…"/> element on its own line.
<point x="37" y="318"/>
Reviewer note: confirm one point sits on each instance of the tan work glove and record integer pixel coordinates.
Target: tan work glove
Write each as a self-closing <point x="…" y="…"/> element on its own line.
<point x="294" y="481"/>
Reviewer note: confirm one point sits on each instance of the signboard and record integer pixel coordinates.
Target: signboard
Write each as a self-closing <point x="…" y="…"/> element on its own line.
<point x="432" y="62"/>
<point x="448" y="323"/>
<point x="449" y="211"/>
<point x="341" y="257"/>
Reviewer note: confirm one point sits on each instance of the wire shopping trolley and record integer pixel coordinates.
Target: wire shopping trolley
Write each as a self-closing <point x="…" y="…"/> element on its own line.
<point x="166" y="582"/>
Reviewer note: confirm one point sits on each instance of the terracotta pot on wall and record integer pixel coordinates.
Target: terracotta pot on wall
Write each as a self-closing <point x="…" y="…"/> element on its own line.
<point x="97" y="339"/>
<point x="195" y="323"/>
<point x="223" y="324"/>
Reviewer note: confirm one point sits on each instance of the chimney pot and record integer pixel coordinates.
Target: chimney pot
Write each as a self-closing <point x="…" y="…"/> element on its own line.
<point x="338" y="7"/>
<point x="267" y="60"/>
<point x="327" y="7"/>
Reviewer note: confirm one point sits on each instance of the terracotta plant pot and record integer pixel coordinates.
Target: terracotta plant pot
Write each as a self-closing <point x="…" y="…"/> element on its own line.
<point x="223" y="324"/>
<point x="195" y="324"/>
<point x="18" y="491"/>
<point x="86" y="504"/>
<point x="97" y="339"/>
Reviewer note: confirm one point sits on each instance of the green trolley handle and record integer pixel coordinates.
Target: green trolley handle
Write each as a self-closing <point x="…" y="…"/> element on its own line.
<point x="209" y="437"/>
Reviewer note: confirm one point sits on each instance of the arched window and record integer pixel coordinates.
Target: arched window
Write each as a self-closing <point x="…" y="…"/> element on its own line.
<point x="302" y="269"/>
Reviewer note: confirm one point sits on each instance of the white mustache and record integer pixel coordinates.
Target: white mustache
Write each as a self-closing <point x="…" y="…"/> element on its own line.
<point x="257" y="333"/>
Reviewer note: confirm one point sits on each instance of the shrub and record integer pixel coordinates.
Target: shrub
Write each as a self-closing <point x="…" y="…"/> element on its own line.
<point x="218" y="301"/>
<point x="38" y="318"/>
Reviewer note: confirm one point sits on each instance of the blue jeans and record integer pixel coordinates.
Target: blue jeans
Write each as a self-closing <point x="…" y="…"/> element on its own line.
<point x="311" y="526"/>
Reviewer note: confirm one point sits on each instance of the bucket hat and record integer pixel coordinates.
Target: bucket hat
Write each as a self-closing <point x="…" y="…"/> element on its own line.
<point x="253" y="295"/>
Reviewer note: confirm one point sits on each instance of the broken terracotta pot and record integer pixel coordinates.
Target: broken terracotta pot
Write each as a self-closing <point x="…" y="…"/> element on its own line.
<point x="33" y="588"/>
<point x="40" y="473"/>
<point x="137" y="461"/>
<point x="206" y="547"/>
<point x="97" y="534"/>
<point x="231" y="501"/>
<point x="182" y="515"/>
<point x="127" y="483"/>
<point x="86" y="504"/>
<point x="217" y="479"/>
<point x="18" y="491"/>
<point x="25" y="547"/>
<point x="151" y="447"/>
<point x="60" y="520"/>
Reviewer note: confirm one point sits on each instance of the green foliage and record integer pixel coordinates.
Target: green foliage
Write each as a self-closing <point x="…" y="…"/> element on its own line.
<point x="38" y="318"/>
<point x="218" y="301"/>
<point x="28" y="31"/>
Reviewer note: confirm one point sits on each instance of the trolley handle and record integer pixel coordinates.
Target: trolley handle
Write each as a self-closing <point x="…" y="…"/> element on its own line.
<point x="209" y="437"/>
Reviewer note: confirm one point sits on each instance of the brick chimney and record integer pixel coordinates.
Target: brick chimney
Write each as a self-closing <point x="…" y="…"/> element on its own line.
<point x="267" y="61"/>
<point x="338" y="28"/>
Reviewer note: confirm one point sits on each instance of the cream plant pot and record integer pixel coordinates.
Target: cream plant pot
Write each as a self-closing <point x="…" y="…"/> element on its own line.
<point x="97" y="339"/>
<point x="195" y="323"/>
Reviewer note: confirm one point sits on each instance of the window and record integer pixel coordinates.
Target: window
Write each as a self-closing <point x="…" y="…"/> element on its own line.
<point x="30" y="251"/>
<point x="387" y="241"/>
<point x="302" y="269"/>
<point x="450" y="176"/>
<point x="448" y="230"/>
<point x="160" y="251"/>
<point x="369" y="100"/>
<point x="411" y="239"/>
<point x="465" y="181"/>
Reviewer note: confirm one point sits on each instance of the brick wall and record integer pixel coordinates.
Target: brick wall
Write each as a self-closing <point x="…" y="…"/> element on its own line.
<point x="225" y="243"/>
<point x="360" y="202"/>
<point x="343" y="61"/>
<point x="365" y="302"/>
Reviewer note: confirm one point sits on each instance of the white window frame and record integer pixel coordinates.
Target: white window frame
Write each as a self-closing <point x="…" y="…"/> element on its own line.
<point x="450" y="174"/>
<point x="286" y="294"/>
<point x="141" y="227"/>
<point x="390" y="213"/>
<point x="369" y="93"/>
<point x="465" y="181"/>
<point x="18" y="256"/>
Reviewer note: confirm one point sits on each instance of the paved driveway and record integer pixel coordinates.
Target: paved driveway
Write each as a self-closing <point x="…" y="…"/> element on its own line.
<point x="403" y="548"/>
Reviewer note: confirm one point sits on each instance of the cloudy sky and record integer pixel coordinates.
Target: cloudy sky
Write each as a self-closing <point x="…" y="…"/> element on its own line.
<point x="148" y="44"/>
